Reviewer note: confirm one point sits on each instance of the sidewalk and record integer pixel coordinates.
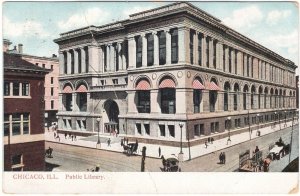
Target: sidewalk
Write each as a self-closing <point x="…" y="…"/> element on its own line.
<point x="167" y="151"/>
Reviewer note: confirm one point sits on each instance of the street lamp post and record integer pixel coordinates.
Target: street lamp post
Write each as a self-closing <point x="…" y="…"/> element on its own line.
<point x="250" y="133"/>
<point x="98" y="124"/>
<point x="228" y="124"/>
<point x="275" y="119"/>
<point x="258" y="123"/>
<point x="279" y="120"/>
<point x="180" y="155"/>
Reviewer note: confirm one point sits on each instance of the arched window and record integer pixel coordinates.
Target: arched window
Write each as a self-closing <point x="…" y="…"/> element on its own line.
<point x="82" y="98"/>
<point x="226" y="95"/>
<point x="213" y="94"/>
<point x="143" y="96"/>
<point x="259" y="97"/>
<point x="271" y="98"/>
<point x="67" y="98"/>
<point x="265" y="97"/>
<point x="168" y="95"/>
<point x="245" y="92"/>
<point x="235" y="97"/>
<point x="197" y="94"/>
<point x="276" y="98"/>
<point x="252" y="96"/>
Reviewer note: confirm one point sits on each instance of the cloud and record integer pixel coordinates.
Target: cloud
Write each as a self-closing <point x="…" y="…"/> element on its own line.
<point x="29" y="28"/>
<point x="92" y="16"/>
<point x="135" y="9"/>
<point x="275" y="15"/>
<point x="244" y="18"/>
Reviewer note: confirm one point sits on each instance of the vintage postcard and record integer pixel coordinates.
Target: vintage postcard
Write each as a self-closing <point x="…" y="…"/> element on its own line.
<point x="150" y="97"/>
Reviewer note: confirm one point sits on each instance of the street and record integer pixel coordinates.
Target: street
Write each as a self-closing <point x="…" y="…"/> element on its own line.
<point x="73" y="158"/>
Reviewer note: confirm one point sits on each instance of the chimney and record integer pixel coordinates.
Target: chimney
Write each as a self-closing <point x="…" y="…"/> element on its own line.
<point x="6" y="44"/>
<point x="20" y="48"/>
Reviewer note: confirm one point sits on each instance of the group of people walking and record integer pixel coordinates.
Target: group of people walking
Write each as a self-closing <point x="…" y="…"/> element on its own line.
<point x="222" y="158"/>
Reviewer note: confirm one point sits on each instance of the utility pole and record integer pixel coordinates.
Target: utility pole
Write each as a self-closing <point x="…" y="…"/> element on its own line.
<point x="143" y="159"/>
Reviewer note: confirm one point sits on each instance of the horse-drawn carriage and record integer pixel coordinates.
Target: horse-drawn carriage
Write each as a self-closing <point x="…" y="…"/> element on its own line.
<point x="170" y="164"/>
<point x="130" y="148"/>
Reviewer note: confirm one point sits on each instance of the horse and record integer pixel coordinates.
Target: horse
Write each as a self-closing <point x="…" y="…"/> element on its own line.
<point x="48" y="152"/>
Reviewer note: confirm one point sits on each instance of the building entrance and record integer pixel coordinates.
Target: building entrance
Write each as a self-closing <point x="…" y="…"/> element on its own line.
<point x="111" y="119"/>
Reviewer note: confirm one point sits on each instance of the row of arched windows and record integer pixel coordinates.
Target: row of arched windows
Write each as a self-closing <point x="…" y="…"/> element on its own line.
<point x="81" y="97"/>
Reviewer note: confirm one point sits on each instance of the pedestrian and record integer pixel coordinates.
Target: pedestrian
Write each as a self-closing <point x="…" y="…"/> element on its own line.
<point x="205" y="144"/>
<point x="122" y="142"/>
<point x="159" y="151"/>
<point x="224" y="158"/>
<point x="75" y="138"/>
<point x="54" y="135"/>
<point x="221" y="157"/>
<point x="66" y="135"/>
<point x="72" y="136"/>
<point x="108" y="142"/>
<point x="57" y="137"/>
<point x="256" y="149"/>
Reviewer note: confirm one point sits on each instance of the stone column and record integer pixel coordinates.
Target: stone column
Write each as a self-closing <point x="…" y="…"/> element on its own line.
<point x="251" y="67"/>
<point x="69" y="62"/>
<point x="268" y="71"/>
<point x="155" y="99"/>
<point x="205" y="100"/>
<point x="131" y="52"/>
<point x="248" y="101"/>
<point x="60" y="103"/>
<point x="233" y="60"/>
<point x="74" y="104"/>
<point x="220" y="101"/>
<point x="144" y="50"/>
<point x="227" y="59"/>
<point x="230" y="101"/>
<point x="94" y="58"/>
<point x="181" y="106"/>
<point x="240" y="101"/>
<point x="120" y="55"/>
<point x="83" y="66"/>
<point x="108" y="62"/>
<point x="61" y="63"/>
<point x="89" y="102"/>
<point x="75" y="61"/>
<point x="101" y="62"/>
<point x="203" y="52"/>
<point x="132" y="98"/>
<point x="112" y="58"/>
<point x="124" y="63"/>
<point x="239" y="63"/>
<point x="168" y="47"/>
<point x="245" y="64"/>
<point x="183" y="45"/>
<point x="220" y="56"/>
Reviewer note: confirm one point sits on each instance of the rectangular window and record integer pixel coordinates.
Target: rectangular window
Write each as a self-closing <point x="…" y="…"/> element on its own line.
<point x="82" y="101"/>
<point x="197" y="100"/>
<point x="197" y="130"/>
<point x="248" y="64"/>
<point x="43" y="65"/>
<point x="86" y="51"/>
<point x="16" y="124"/>
<point x="235" y="61"/>
<point x="217" y="127"/>
<point x="162" y="47"/>
<point x="115" y="81"/>
<point x="6" y="88"/>
<point x="207" y="51"/>
<point x="215" y="54"/>
<point x="229" y="60"/>
<point x="168" y="101"/>
<point x="174" y="46"/>
<point x="69" y="124"/>
<point x="139" y="51"/>
<point x="212" y="127"/>
<point x="26" y="123"/>
<point x="68" y="101"/>
<point x="116" y="59"/>
<point x="192" y="33"/>
<point x="52" y="104"/>
<point x="6" y="124"/>
<point x="147" y="129"/>
<point x="65" y="63"/>
<point x="138" y="128"/>
<point x="143" y="105"/>
<point x="52" y="91"/>
<point x="171" y="130"/>
<point x="51" y="80"/>
<point x="200" y="49"/>
<point x="17" y="162"/>
<point x="65" y="124"/>
<point x="162" y="130"/>
<point x="103" y="82"/>
<point x="16" y="89"/>
<point x="25" y="89"/>
<point x="150" y="50"/>
<point x="224" y="59"/>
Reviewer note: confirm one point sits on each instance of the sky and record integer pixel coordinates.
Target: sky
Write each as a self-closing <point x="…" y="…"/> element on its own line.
<point x="36" y="24"/>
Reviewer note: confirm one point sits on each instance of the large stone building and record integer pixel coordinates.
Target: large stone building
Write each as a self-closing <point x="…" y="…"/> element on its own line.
<point x="23" y="138"/>
<point x="174" y="65"/>
<point x="51" y="79"/>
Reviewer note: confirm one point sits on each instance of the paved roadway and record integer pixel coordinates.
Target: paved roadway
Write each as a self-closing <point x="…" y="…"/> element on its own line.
<point x="73" y="158"/>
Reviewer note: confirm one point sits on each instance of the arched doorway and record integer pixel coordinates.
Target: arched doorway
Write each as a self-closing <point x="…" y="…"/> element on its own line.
<point x="111" y="117"/>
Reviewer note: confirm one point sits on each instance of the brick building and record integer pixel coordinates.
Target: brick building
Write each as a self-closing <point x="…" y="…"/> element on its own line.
<point x="24" y="143"/>
<point x="51" y="79"/>
<point x="175" y="65"/>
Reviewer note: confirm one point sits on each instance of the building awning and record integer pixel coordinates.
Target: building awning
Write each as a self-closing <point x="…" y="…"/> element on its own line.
<point x="167" y="83"/>
<point x="67" y="89"/>
<point x="143" y="85"/>
<point x="213" y="87"/>
<point x="197" y="85"/>
<point x="81" y="89"/>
